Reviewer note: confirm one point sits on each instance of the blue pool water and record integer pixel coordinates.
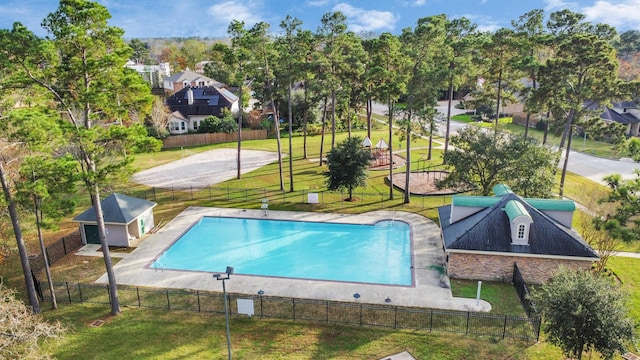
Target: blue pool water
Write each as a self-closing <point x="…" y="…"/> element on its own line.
<point x="379" y="254"/>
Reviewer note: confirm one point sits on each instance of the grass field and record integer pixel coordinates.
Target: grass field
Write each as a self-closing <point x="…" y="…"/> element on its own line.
<point x="138" y="333"/>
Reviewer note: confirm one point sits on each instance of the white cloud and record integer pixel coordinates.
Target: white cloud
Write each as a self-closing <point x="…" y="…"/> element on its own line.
<point x="553" y="5"/>
<point x="485" y="23"/>
<point x="361" y="20"/>
<point x="223" y="13"/>
<point x="318" y="2"/>
<point x="618" y="13"/>
<point x="419" y="2"/>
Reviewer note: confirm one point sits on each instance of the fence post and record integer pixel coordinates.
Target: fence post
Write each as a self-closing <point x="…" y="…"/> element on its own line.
<point x="468" y="316"/>
<point x="80" y="293"/>
<point x="431" y="321"/>
<point x="504" y="328"/>
<point x="68" y="291"/>
<point x="198" y="297"/>
<point x="64" y="245"/>
<point x="261" y="310"/>
<point x="395" y="318"/>
<point x="138" y="295"/>
<point x="168" y="301"/>
<point x="327" y="310"/>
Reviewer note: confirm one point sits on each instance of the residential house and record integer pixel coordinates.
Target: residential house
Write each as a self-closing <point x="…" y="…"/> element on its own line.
<point x="188" y="78"/>
<point x="126" y="219"/>
<point x="153" y="74"/>
<point x="191" y="105"/>
<point x="626" y="113"/>
<point x="485" y="235"/>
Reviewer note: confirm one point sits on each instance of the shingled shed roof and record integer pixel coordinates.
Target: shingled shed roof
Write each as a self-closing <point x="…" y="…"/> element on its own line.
<point x="489" y="230"/>
<point x="117" y="209"/>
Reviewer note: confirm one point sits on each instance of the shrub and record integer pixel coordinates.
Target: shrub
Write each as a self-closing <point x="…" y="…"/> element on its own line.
<point x="213" y="124"/>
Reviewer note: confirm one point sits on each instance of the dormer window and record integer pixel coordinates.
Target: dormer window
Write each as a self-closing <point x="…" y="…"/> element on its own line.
<point x="520" y="222"/>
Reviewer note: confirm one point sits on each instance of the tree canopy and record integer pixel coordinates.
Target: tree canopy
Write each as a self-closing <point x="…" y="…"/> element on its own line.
<point x="480" y="160"/>
<point x="584" y="311"/>
<point x="348" y="163"/>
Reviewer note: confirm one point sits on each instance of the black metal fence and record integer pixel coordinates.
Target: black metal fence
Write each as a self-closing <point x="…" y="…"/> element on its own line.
<point x="324" y="311"/>
<point x="304" y="199"/>
<point x="525" y="298"/>
<point x="56" y="251"/>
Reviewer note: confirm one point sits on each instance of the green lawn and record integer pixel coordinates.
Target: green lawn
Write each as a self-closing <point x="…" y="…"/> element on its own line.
<point x="157" y="334"/>
<point x="172" y="335"/>
<point x="578" y="143"/>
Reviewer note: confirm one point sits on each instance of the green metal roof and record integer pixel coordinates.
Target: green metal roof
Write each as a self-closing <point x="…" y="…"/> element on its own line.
<point x="474" y="201"/>
<point x="551" y="204"/>
<point x="515" y="209"/>
<point x="501" y="189"/>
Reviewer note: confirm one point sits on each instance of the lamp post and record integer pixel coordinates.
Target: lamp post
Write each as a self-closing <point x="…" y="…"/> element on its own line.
<point x="225" y="276"/>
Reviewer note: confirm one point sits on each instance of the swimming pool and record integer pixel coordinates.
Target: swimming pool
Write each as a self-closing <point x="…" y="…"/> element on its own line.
<point x="376" y="254"/>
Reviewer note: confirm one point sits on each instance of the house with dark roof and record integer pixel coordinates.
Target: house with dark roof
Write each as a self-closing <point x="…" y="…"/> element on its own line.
<point x="626" y="113"/>
<point x="191" y="105"/>
<point x="484" y="236"/>
<point x="188" y="78"/>
<point x="126" y="219"/>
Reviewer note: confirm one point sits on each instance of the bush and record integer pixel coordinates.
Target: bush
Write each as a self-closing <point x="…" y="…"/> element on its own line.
<point x="213" y="124"/>
<point x="541" y="125"/>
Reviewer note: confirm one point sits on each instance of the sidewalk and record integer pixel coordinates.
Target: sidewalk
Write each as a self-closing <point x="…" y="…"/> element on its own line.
<point x="627" y="254"/>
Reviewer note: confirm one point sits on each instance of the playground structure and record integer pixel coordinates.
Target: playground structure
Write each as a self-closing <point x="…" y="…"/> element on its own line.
<point x="423" y="181"/>
<point x="379" y="153"/>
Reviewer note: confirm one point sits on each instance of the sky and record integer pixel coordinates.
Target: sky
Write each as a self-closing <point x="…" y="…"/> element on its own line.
<point x="210" y="18"/>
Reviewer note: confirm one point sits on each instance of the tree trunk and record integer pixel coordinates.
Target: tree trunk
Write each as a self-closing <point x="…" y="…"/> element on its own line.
<point x="113" y="288"/>
<point x="277" y="122"/>
<point x="22" y="249"/>
<point x="349" y="122"/>
<point x="45" y="258"/>
<point x="407" y="182"/>
<point x="240" y="110"/>
<point x="526" y="125"/>
<point x="499" y="100"/>
<point x="564" y="167"/>
<point x="369" y="116"/>
<point x="446" y="135"/>
<point x="567" y="127"/>
<point x="290" y="140"/>
<point x="390" y="106"/>
<point x="324" y="121"/>
<point x="430" y="141"/>
<point x="305" y="118"/>
<point x="333" y="118"/>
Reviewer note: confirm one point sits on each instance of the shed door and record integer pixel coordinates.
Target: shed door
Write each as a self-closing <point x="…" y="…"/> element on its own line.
<point x="91" y="233"/>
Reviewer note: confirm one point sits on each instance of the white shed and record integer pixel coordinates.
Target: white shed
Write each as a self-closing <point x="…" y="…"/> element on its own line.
<point x="126" y="219"/>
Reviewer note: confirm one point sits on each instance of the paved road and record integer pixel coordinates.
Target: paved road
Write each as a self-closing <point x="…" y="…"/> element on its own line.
<point x="588" y="166"/>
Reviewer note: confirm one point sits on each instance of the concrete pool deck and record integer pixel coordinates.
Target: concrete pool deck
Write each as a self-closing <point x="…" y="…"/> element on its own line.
<point x="431" y="288"/>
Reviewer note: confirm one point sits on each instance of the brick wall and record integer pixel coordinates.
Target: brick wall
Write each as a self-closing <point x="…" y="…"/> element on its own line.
<point x="500" y="268"/>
